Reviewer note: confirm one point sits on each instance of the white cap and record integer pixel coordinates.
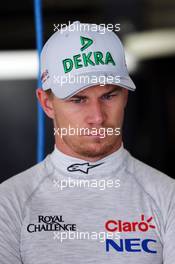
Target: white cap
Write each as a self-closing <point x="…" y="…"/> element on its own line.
<point x="80" y="56"/>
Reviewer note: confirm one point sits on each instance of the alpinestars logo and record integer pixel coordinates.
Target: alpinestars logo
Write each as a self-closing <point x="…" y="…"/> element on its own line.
<point x="83" y="167"/>
<point x="135" y="244"/>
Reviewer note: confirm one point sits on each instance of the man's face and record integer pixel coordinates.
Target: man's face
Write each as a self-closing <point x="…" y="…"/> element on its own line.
<point x="93" y="108"/>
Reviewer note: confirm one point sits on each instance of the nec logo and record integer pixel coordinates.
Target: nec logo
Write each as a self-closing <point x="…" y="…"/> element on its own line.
<point x="131" y="245"/>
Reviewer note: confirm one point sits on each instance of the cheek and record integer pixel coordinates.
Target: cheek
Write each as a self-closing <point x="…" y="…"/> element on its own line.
<point x="115" y="112"/>
<point x="115" y="120"/>
<point x="68" y="117"/>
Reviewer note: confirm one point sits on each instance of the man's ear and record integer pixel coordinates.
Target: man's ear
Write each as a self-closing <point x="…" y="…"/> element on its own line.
<point x="46" y="102"/>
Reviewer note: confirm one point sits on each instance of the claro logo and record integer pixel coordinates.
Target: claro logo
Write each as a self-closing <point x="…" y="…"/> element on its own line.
<point x="125" y="226"/>
<point x="134" y="244"/>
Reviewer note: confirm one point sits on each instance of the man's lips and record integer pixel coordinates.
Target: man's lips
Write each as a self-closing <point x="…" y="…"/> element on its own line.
<point x="95" y="135"/>
<point x="92" y="134"/>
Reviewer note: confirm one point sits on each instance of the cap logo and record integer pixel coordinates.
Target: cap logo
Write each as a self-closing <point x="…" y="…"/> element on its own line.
<point x="44" y="76"/>
<point x="87" y="59"/>
<point x="85" y="42"/>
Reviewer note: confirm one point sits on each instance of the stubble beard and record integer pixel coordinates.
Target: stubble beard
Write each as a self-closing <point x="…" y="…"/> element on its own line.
<point x="93" y="148"/>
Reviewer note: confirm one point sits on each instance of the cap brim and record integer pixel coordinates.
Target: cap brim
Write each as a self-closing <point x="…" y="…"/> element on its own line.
<point x="68" y="89"/>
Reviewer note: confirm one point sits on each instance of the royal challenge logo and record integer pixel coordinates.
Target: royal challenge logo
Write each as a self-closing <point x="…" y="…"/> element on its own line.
<point x="50" y="223"/>
<point x="85" y="59"/>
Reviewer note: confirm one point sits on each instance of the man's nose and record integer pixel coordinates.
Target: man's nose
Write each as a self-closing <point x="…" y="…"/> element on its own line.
<point x="95" y="114"/>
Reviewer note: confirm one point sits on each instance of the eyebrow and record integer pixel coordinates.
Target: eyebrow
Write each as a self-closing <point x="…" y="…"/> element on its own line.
<point x="115" y="89"/>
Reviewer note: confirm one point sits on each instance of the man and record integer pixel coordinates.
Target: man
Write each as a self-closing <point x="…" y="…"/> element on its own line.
<point x="89" y="201"/>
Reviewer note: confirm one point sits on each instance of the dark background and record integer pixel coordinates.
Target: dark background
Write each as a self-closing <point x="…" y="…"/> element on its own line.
<point x="149" y="130"/>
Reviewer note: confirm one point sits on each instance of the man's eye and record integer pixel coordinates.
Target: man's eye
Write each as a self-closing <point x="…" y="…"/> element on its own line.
<point x="78" y="100"/>
<point x="108" y="96"/>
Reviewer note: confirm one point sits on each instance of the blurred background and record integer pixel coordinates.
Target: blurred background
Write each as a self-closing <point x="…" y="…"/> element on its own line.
<point x="148" y="34"/>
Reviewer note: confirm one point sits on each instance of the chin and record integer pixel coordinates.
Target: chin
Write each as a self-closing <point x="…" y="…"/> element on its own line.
<point x="95" y="149"/>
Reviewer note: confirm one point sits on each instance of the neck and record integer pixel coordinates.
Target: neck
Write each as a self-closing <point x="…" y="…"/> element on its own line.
<point x="69" y="166"/>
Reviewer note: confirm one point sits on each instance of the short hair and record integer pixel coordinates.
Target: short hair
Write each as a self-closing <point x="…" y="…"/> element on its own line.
<point x="49" y="93"/>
